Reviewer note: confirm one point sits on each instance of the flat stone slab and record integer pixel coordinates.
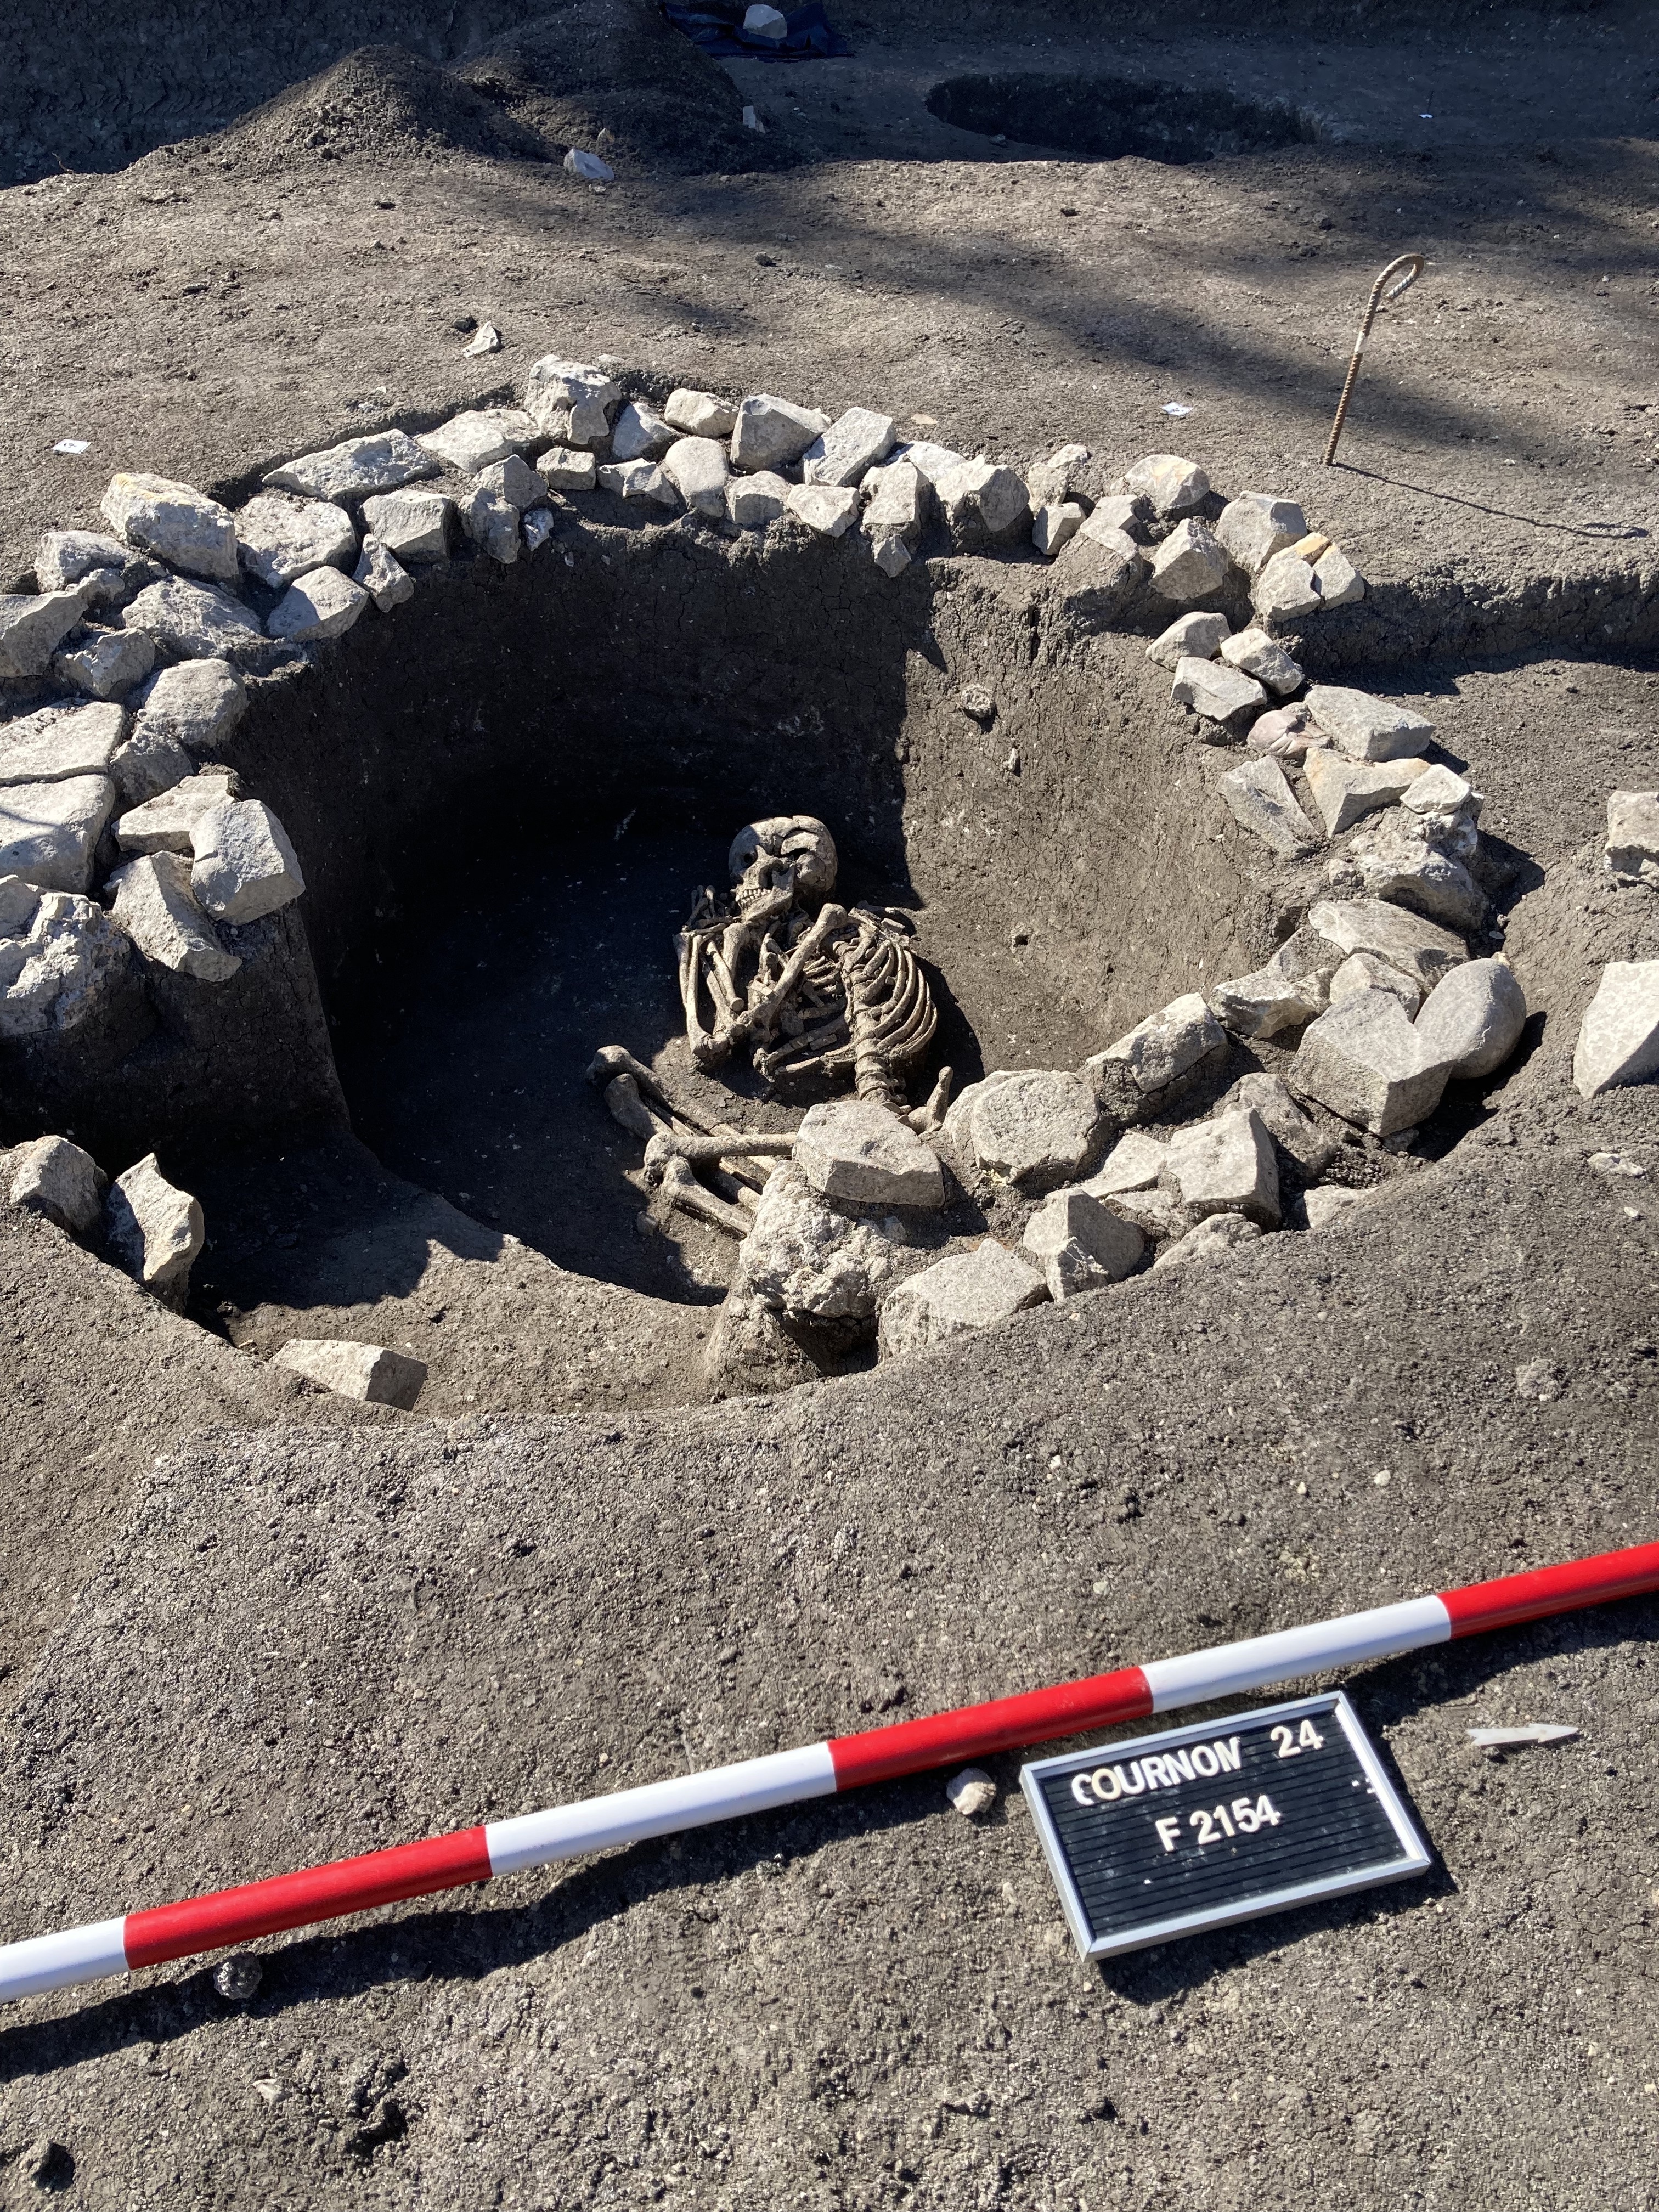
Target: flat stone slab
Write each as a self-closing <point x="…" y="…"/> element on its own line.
<point x="198" y="621"/>
<point x="753" y="502"/>
<point x="279" y="537"/>
<point x="1633" y="850"/>
<point x="174" y="521"/>
<point x="769" y="432"/>
<point x="640" y="433"/>
<point x="1331" y="1204"/>
<point x="1367" y="728"/>
<point x="1402" y="861"/>
<point x="827" y="510"/>
<point x="156" y="906"/>
<point x="1472" y="1021"/>
<point x="1190" y="564"/>
<point x="1038" y="1127"/>
<point x="1261" y="801"/>
<point x="49" y="832"/>
<point x="65" y="556"/>
<point x="413" y="524"/>
<point x="198" y="704"/>
<point x="1405" y="941"/>
<point x="368" y="1371"/>
<point x="473" y="441"/>
<point x="107" y="662"/>
<point x="322" y="605"/>
<point x="1220" y="694"/>
<point x="1215" y="1237"/>
<point x="1226" y="1166"/>
<point x="1257" y="654"/>
<point x="1346" y="791"/>
<point x="57" y="742"/>
<point x="244" y="866"/>
<point x="692" y="414"/>
<point x="33" y="625"/>
<point x="1173" y="485"/>
<point x="1255" y="525"/>
<point x="854" y="1150"/>
<point x="1080" y="1244"/>
<point x="153" y="1231"/>
<point x="1135" y="1162"/>
<point x="971" y="1290"/>
<point x="1366" y="1062"/>
<point x="1285" y="590"/>
<point x="854" y="442"/>
<point x="1166" y="1046"/>
<point x="1618" y="1036"/>
<point x="1189" y="637"/>
<point x="356" y="468"/>
<point x="163" y="825"/>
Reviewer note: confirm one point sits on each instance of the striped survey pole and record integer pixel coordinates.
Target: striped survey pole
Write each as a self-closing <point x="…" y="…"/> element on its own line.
<point x="151" y="1938"/>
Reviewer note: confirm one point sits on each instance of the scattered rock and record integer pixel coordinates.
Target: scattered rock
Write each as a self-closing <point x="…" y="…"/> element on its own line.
<point x="638" y="480"/>
<point x="764" y="21"/>
<point x="1439" y="791"/>
<point x="1333" y="1203"/>
<point x="981" y="502"/>
<point x="1096" y="575"/>
<point x="1285" y="588"/>
<point x="1219" y="693"/>
<point x="238" y="1978"/>
<point x="768" y="433"/>
<point x="198" y="622"/>
<point x="489" y="522"/>
<point x="570" y="401"/>
<point x="197" y="705"/>
<point x="473" y="441"/>
<point x="1339" y="581"/>
<point x="1053" y="525"/>
<point x="1538" y="1380"/>
<point x="895" y="503"/>
<point x="971" y="1792"/>
<point x="66" y="556"/>
<point x="1366" y="1062"/>
<point x="1262" y="802"/>
<point x="412" y="526"/>
<point x="368" y="1371"/>
<point x="56" y="1178"/>
<point x="814" y="1263"/>
<point x="32" y="627"/>
<point x="565" y="471"/>
<point x="1080" y="1244"/>
<point x="1226" y="1166"/>
<point x="933" y="461"/>
<point x="693" y="414"/>
<point x="1365" y="728"/>
<point x="539" y="526"/>
<point x="1191" y="637"/>
<point x="153" y="1231"/>
<point x="826" y="511"/>
<point x="323" y="604"/>
<point x="1346" y="791"/>
<point x="1135" y="1162"/>
<point x="1364" y="971"/>
<point x="1473" y="1021"/>
<point x="1174" y="486"/>
<point x="1290" y="989"/>
<point x="1309" y="1148"/>
<point x="1165" y="1048"/>
<point x="279" y="537"/>
<point x="852" y="446"/>
<point x="640" y="433"/>
<point x="979" y="703"/>
<point x="1156" y="1213"/>
<point x="1400" y="861"/>
<point x="1254" y="526"/>
<point x="485" y="340"/>
<point x="971" y="1290"/>
<point x="154" y="905"/>
<point x="697" y="469"/>
<point x="1037" y="1127"/>
<point x="1190" y="564"/>
<point x="1633" y="852"/>
<point x="892" y="555"/>
<point x="1405" y="940"/>
<point x="588" y="166"/>
<point x="514" y="481"/>
<point x="1618" y="1037"/>
<point x="1256" y="654"/>
<point x="162" y="824"/>
<point x="1216" y="1236"/>
<point x="1057" y="480"/>
<point x="149" y="763"/>
<point x="107" y="662"/>
<point x="64" y="970"/>
<point x="753" y="502"/>
<point x="383" y="576"/>
<point x="49" y="832"/>
<point x="245" y="865"/>
<point x="178" y="524"/>
<point x="354" y="469"/>
<point x="850" y="1150"/>
<point x="60" y="741"/>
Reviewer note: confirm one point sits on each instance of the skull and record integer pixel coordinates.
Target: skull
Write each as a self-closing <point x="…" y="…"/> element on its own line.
<point x="792" y="852"/>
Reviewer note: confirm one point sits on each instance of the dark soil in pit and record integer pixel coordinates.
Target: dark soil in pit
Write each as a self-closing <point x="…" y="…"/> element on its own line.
<point x="1102" y="119"/>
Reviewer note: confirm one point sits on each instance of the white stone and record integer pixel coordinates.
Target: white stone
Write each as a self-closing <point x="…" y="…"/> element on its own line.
<point x="485" y="340"/>
<point x="1119" y="514"/>
<point x="971" y="1792"/>
<point x="1285" y="588"/>
<point x="1081" y="1244"/>
<point x="1254" y="526"/>
<point x="198" y="621"/>
<point x="1310" y="1148"/>
<point x="1166" y="1046"/>
<point x="539" y="526"/>
<point x="245" y="865"/>
<point x="1367" y="728"/>
<point x="805" y="1259"/>
<point x="489" y="522"/>
<point x="571" y="401"/>
<point x="1364" y="1061"/>
<point x="154" y="905"/>
<point x="1633" y="852"/>
<point x="769" y="432"/>
<point x="640" y="433"/>
<point x="1437" y="790"/>
<point x="697" y="469"/>
<point x="198" y="704"/>
<point x="175" y="522"/>
<point x="49" y="832"/>
<point x="1053" y="482"/>
<point x="762" y="21"/>
<point x="1189" y="637"/>
<point x="637" y="480"/>
<point x="147" y="764"/>
<point x="1173" y="485"/>
<point x="980" y="500"/>
<point x="694" y="414"/>
<point x="1037" y="1127"/>
<point x="471" y="441"/>
<point x="1618" y="1037"/>
<point x="65" y="556"/>
<point x="1257" y="654"/>
<point x="1331" y="1204"/>
<point x="1220" y="694"/>
<point x="565" y="471"/>
<point x="825" y="510"/>
<point x="1346" y="791"/>
<point x="854" y="443"/>
<point x="383" y="576"/>
<point x="279" y="537"/>
<point x="1368" y="971"/>
<point x="53" y="1178"/>
<point x="162" y="824"/>
<point x="18" y="904"/>
<point x="62" y="972"/>
<point x="1226" y="1166"/>
<point x="855" y="1151"/>
<point x="32" y="627"/>
<point x="581" y="163"/>
<point x="369" y="1372"/>
<point x="971" y="1290"/>
<point x="1055" y="524"/>
<point x="1262" y="802"/>
<point x="1135" y="1162"/>
<point x="107" y="662"/>
<point x="1340" y="582"/>
<point x="153" y="1231"/>
<point x="931" y="460"/>
<point x="753" y="502"/>
<point x="1400" y="861"/>
<point x="1097" y="574"/>
<point x="514" y="481"/>
<point x="895" y="502"/>
<point x="412" y="526"/>
<point x="1215" y="1237"/>
<point x="60" y="741"/>
<point x="1267" y="1001"/>
<point x="1190" y="564"/>
<point x="1155" y="1213"/>
<point x="1407" y="941"/>
<point x="1473" y="1021"/>
<point x="892" y="555"/>
<point x="356" y="468"/>
<point x="323" y="604"/>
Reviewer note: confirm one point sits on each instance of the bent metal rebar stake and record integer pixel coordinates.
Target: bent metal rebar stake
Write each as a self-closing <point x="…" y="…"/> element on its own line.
<point x="1414" y="265"/>
<point x="108" y="1947"/>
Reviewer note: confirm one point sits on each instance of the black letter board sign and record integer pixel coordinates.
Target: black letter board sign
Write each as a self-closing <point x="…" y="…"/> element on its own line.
<point x="1200" y="1826"/>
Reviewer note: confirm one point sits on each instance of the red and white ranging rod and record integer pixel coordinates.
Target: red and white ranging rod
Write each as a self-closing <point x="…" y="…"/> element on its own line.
<point x="149" y="1938"/>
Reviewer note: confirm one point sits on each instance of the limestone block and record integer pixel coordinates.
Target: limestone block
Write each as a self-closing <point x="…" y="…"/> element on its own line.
<point x="162" y="824"/>
<point x="694" y="414"/>
<point x="198" y="622"/>
<point x="1399" y="860"/>
<point x="412" y="526"/>
<point x="473" y="441"/>
<point x="539" y="526"/>
<point x="971" y="1290"/>
<point x="1438" y="791"/>
<point x="1173" y="485"/>
<point x="153" y="1231"/>
<point x="198" y="704"/>
<point x="1473" y="1021"/>
<point x="1346" y="791"/>
<point x="753" y="502"/>
<point x="809" y="1260"/>
<point x="53" y="1178"/>
<point x="1164" y="1047"/>
<point x="1366" y="728"/>
<point x="1267" y="1001"/>
<point x="852" y="1150"/>
<point x="1286" y="589"/>
<point x="1332" y="1204"/>
<point x="148" y="763"/>
<point x="383" y="576"/>
<point x="1135" y="1162"/>
<point x="571" y="401"/>
<point x="245" y="865"/>
<point x="1618" y="1037"/>
<point x="1364" y="971"/>
<point x="489" y="522"/>
<point x="106" y="663"/>
<point x="1215" y="1237"/>
<point x="1096" y="576"/>
<point x="1340" y="582"/>
<point x="892" y="555"/>
<point x="1633" y="836"/>
<point x="61" y="741"/>
<point x="565" y="471"/>
<point x="1364" y="1061"/>
<point x="1309" y="1148"/>
<point x="1190" y="564"/>
<point x="1220" y="694"/>
<point x="154" y="905"/>
<point x="769" y="432"/>
<point x="356" y="468"/>
<point x="1189" y="637"/>
<point x="514" y="481"/>
<point x="1256" y="654"/>
<point x="65" y="556"/>
<point x="1080" y="1244"/>
<point x="18" y="904"/>
<point x="640" y="433"/>
<point x="826" y="511"/>
<point x="32" y="627"/>
<point x="65" y="969"/>
<point x="1255" y="525"/>
<point x="176" y="523"/>
<point x="1054" y="524"/>
<point x="1262" y="802"/>
<point x="638" y="480"/>
<point x="1064" y="475"/>
<point x="932" y="460"/>
<point x="1156" y="1213"/>
<point x="696" y="467"/>
<point x="1226" y="1166"/>
<point x="1119" y="514"/>
<point x="895" y="502"/>
<point x="980" y="501"/>
<point x="321" y="605"/>
<point x="279" y="537"/>
<point x="854" y="443"/>
<point x="49" y="832"/>
<point x="368" y="1371"/>
<point x="1037" y="1127"/>
<point x="1405" y="940"/>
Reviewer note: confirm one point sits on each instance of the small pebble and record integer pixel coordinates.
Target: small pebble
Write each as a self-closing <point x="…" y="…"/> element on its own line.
<point x="972" y="1791"/>
<point x="239" y="1976"/>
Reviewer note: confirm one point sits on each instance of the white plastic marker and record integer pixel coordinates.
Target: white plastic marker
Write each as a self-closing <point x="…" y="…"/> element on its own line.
<point x="789" y="1777"/>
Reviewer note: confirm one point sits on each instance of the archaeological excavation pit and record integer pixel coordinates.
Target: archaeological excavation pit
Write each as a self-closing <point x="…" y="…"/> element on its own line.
<point x="1105" y="118"/>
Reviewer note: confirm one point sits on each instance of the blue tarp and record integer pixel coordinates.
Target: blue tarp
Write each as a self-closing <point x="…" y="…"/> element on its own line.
<point x="716" y="25"/>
